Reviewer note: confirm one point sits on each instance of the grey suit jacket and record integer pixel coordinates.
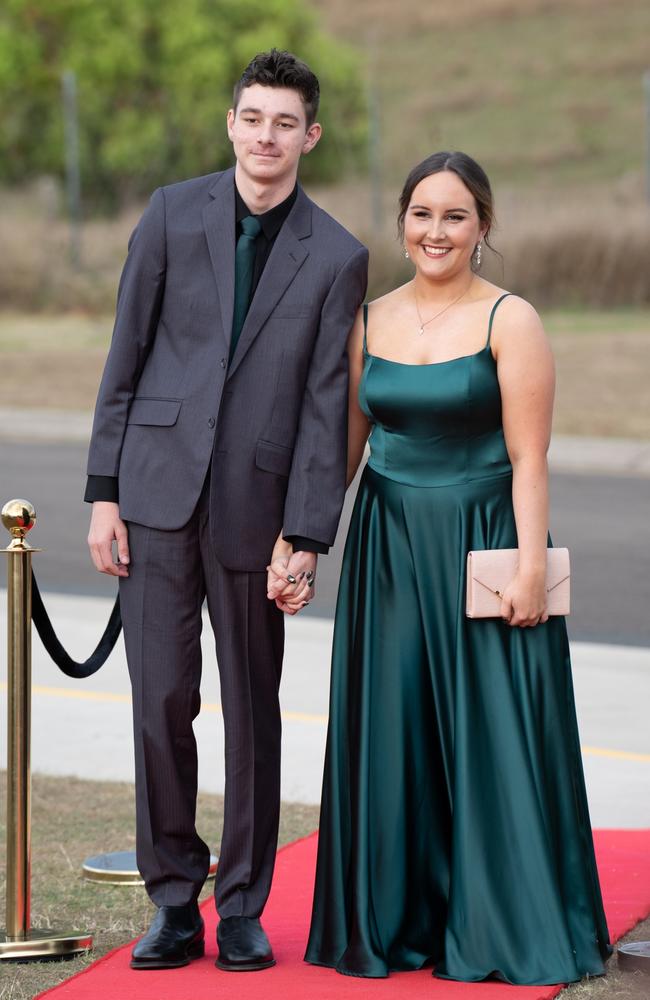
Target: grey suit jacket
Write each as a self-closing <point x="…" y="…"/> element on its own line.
<point x="274" y="422"/>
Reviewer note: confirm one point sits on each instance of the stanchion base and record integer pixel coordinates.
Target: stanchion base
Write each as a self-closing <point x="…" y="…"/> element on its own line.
<point x="41" y="945"/>
<point x="120" y="868"/>
<point x="635" y="957"/>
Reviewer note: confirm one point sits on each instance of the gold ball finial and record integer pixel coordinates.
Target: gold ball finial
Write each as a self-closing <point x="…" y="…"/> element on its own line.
<point x="18" y="517"/>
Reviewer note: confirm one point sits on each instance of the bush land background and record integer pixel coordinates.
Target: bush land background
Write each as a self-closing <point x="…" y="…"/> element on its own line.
<point x="153" y="80"/>
<point x="547" y="96"/>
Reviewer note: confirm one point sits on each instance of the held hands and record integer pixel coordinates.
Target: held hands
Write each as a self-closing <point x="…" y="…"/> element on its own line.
<point x="524" y="600"/>
<point x="106" y="527"/>
<point x="290" y="577"/>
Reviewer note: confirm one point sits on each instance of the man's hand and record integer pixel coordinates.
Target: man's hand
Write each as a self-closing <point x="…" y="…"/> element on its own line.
<point x="291" y="577"/>
<point x="106" y="526"/>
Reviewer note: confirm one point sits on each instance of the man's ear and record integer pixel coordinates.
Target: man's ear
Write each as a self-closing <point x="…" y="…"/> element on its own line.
<point x="312" y="136"/>
<point x="230" y="121"/>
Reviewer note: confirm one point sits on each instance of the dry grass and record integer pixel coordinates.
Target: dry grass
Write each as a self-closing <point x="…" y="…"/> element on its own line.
<point x="601" y="356"/>
<point x="579" y="246"/>
<point x="73" y="820"/>
<point x="602" y="384"/>
<point x="52" y="361"/>
<point x="582" y="246"/>
<point x="537" y="90"/>
<point x="36" y="273"/>
<point x="390" y="17"/>
<point x="617" y="984"/>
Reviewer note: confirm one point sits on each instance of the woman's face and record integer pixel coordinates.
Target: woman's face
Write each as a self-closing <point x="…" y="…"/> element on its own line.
<point x="442" y="226"/>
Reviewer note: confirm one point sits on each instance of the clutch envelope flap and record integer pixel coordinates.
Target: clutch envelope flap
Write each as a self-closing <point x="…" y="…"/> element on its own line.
<point x="493" y="568"/>
<point x="558" y="568"/>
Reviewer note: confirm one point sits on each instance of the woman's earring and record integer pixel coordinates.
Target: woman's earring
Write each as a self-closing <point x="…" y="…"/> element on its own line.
<point x="406" y="253"/>
<point x="477" y="255"/>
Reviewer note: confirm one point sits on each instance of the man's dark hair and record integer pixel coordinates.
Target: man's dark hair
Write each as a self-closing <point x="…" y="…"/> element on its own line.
<point x="281" y="69"/>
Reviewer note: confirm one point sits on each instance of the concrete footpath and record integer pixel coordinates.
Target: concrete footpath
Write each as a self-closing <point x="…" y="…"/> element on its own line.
<point x="83" y="728"/>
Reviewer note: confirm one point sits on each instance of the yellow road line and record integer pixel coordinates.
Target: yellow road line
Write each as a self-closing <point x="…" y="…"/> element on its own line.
<point x="54" y="692"/>
<point x="215" y="708"/>
<point x="125" y="699"/>
<point x="616" y="754"/>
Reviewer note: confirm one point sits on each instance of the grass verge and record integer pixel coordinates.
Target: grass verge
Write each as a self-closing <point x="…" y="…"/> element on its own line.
<point x="74" y="819"/>
<point x="56" y="362"/>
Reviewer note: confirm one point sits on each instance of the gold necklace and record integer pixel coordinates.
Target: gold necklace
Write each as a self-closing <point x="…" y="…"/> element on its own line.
<point x="448" y="306"/>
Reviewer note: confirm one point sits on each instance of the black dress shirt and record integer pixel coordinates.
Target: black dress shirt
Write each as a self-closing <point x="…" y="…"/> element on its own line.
<point x="106" y="487"/>
<point x="271" y="223"/>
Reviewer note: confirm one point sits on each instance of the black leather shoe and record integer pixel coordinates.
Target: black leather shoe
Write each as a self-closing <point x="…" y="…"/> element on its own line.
<point x="243" y="945"/>
<point x="174" y="938"/>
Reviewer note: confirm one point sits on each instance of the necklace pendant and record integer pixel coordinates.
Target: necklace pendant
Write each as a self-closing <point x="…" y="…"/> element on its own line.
<point x="421" y="331"/>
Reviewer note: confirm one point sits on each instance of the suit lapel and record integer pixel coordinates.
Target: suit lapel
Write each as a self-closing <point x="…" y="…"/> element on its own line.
<point x="219" y="226"/>
<point x="285" y="260"/>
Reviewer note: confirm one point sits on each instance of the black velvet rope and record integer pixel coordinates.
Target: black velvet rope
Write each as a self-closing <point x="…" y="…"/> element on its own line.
<point x="63" y="661"/>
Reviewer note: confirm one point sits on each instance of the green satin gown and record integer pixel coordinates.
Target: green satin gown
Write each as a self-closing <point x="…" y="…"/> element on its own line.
<point x="454" y="823"/>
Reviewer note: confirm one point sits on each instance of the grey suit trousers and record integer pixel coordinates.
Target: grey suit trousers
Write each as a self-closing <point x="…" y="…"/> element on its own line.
<point x="171" y="572"/>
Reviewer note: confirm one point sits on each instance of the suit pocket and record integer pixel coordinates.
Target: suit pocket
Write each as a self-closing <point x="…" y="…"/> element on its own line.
<point x="272" y="457"/>
<point x="154" y="411"/>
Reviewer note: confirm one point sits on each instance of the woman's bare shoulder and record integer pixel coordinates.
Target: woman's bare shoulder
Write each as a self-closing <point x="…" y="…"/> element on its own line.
<point x="518" y="332"/>
<point x="516" y="312"/>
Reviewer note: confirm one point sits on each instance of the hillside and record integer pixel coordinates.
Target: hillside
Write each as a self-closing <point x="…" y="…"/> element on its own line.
<point x="539" y="91"/>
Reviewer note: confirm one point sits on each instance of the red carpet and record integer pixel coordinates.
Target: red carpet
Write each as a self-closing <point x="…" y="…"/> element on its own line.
<point x="623" y="862"/>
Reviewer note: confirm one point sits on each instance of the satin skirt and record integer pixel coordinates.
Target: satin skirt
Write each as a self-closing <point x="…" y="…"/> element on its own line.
<point x="454" y="824"/>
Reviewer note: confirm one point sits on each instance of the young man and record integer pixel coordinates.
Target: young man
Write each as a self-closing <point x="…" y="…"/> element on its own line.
<point x="221" y="424"/>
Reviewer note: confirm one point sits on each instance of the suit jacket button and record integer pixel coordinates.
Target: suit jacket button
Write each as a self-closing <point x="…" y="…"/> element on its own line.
<point x="211" y="422"/>
<point x="223" y="362"/>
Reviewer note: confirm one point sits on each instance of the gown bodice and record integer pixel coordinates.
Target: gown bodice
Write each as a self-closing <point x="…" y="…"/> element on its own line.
<point x="437" y="424"/>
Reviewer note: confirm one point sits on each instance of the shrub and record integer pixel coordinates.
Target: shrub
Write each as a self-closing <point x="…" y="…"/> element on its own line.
<point x="154" y="81"/>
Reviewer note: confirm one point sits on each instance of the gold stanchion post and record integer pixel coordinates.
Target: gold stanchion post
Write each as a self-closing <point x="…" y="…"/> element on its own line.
<point x="19" y="941"/>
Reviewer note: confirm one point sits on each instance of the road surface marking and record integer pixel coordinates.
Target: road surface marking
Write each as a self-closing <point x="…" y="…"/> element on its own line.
<point x="215" y="708"/>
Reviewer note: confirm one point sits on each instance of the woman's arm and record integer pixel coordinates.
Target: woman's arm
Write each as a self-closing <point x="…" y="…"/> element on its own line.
<point x="527" y="380"/>
<point x="358" y="423"/>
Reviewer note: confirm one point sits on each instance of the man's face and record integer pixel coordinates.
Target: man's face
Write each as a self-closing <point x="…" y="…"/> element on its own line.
<point x="269" y="133"/>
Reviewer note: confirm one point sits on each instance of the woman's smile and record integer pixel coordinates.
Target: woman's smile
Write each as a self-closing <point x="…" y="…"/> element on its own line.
<point x="432" y="251"/>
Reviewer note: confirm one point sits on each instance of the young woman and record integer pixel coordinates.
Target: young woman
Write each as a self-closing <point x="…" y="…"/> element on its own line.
<point x="454" y="826"/>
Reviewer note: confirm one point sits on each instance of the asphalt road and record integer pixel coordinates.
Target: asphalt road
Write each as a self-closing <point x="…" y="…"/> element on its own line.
<point x="604" y="520"/>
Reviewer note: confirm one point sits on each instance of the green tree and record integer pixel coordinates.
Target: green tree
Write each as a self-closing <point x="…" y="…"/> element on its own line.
<point x="154" y="81"/>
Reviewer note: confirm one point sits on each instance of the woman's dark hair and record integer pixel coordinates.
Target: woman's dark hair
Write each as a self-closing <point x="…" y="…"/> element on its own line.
<point x="281" y="69"/>
<point x="471" y="174"/>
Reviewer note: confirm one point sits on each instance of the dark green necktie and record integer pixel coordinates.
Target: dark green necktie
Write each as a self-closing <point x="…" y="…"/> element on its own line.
<point x="244" y="265"/>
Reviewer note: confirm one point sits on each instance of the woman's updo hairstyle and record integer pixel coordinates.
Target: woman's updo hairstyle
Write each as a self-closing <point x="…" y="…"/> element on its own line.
<point x="471" y="174"/>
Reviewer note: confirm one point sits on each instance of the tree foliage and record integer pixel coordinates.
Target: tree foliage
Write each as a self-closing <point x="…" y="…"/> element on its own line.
<point x="154" y="81"/>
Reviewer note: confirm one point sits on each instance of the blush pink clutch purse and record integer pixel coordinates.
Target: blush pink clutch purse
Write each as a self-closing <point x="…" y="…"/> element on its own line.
<point x="490" y="571"/>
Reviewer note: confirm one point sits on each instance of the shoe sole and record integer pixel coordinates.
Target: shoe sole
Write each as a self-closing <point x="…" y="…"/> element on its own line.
<point x="244" y="966"/>
<point x="194" y="951"/>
